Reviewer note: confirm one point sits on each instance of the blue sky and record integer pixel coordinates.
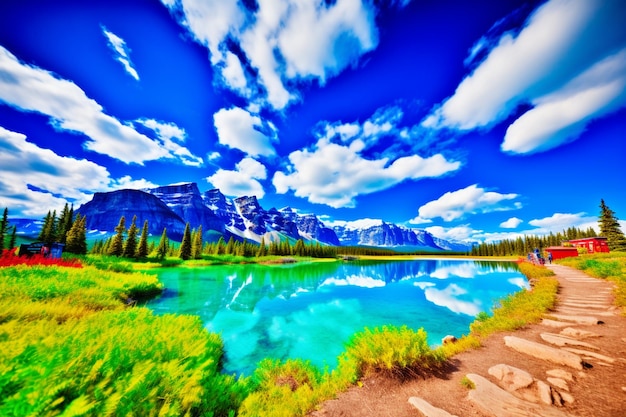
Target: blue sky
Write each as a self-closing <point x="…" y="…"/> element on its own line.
<point x="473" y="120"/>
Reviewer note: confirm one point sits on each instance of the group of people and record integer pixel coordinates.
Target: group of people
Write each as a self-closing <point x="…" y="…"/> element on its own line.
<point x="537" y="258"/>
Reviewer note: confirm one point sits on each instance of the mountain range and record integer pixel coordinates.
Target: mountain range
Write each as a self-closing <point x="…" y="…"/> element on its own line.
<point x="172" y="206"/>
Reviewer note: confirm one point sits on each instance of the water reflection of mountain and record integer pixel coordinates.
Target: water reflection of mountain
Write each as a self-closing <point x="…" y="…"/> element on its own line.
<point x="241" y="287"/>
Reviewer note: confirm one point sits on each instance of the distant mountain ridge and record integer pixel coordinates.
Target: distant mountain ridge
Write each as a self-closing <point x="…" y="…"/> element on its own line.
<point x="172" y="206"/>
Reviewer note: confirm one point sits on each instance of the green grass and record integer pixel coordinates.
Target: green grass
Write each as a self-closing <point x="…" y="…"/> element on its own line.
<point x="69" y="345"/>
<point x="610" y="266"/>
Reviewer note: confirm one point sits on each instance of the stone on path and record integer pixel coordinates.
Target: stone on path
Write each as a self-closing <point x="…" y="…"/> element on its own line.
<point x="510" y="377"/>
<point x="427" y="409"/>
<point x="554" y="323"/>
<point x="560" y="373"/>
<point x="558" y="340"/>
<point x="548" y="353"/>
<point x="588" y="354"/>
<point x="577" y="333"/>
<point x="498" y="402"/>
<point x="545" y="392"/>
<point x="559" y="383"/>
<point x="576" y="319"/>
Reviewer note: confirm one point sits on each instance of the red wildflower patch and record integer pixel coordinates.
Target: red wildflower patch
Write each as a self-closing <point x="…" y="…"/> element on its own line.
<point x="9" y="258"/>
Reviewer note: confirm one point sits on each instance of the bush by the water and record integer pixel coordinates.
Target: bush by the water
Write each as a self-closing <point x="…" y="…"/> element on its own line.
<point x="68" y="345"/>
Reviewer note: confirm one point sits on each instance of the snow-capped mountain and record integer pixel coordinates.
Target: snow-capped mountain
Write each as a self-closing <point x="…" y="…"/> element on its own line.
<point x="368" y="232"/>
<point x="173" y="206"/>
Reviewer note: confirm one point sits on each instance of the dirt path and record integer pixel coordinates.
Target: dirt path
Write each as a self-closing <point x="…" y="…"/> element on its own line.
<point x="584" y="328"/>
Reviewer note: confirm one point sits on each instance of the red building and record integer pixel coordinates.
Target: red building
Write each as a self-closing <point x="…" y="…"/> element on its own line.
<point x="560" y="252"/>
<point x="592" y="244"/>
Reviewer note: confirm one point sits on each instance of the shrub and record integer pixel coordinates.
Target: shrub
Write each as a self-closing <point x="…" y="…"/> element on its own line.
<point x="115" y="363"/>
<point x="394" y="350"/>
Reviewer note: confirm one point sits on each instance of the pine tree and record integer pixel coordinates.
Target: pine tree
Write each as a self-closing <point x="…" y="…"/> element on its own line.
<point x="262" y="249"/>
<point x="3" y="227"/>
<point x="196" y="244"/>
<point x="230" y="247"/>
<point x="142" y="249"/>
<point x="117" y="243"/>
<point x="610" y="228"/>
<point x="48" y="232"/>
<point x="76" y="240"/>
<point x="65" y="223"/>
<point x="163" y="245"/>
<point x="220" y="246"/>
<point x="185" y="245"/>
<point x="130" y="247"/>
<point x="13" y="237"/>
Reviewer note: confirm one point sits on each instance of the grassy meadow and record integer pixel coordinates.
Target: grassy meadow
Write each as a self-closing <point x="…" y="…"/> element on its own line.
<point x="71" y="345"/>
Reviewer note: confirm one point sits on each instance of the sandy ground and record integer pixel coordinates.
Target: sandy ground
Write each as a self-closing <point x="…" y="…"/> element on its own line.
<point x="599" y="391"/>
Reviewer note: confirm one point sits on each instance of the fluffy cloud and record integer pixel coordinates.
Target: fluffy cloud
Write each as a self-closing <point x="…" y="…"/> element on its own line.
<point x="511" y="223"/>
<point x="171" y="138"/>
<point x="242" y="181"/>
<point x="282" y="42"/>
<point x="239" y="129"/>
<point x="561" y="221"/>
<point x="334" y="174"/>
<point x="551" y="64"/>
<point x="455" y="205"/>
<point x="560" y="117"/>
<point x="33" y="89"/>
<point x="34" y="180"/>
<point x="463" y="233"/>
<point x="122" y="52"/>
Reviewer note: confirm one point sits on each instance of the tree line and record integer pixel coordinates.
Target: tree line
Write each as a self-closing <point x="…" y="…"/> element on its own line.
<point x="525" y="244"/>
<point x="126" y="244"/>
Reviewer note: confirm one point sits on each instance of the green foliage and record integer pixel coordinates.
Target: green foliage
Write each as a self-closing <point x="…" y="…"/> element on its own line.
<point x="610" y="228"/>
<point x="3" y="228"/>
<point x="48" y="233"/>
<point x="69" y="346"/>
<point x="465" y="381"/>
<point x="116" y="247"/>
<point x="130" y="247"/>
<point x="163" y="246"/>
<point x="524" y="245"/>
<point x="196" y="243"/>
<point x="76" y="241"/>
<point x="392" y="349"/>
<point x="185" y="246"/>
<point x="142" y="249"/>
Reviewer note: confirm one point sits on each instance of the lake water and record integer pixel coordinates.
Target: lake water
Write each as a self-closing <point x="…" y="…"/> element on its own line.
<point x="310" y="310"/>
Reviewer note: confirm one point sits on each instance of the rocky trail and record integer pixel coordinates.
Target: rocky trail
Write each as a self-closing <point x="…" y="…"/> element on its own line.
<point x="571" y="364"/>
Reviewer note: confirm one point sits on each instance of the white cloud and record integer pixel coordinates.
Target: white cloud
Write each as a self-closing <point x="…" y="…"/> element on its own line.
<point x="237" y="128"/>
<point x="242" y="181"/>
<point x="122" y="52"/>
<point x="34" y="180"/>
<point x="171" y="137"/>
<point x="33" y="89"/>
<point x="234" y="75"/>
<point x="561" y="221"/>
<point x="560" y="117"/>
<point x="284" y="42"/>
<point x="553" y="65"/>
<point x="450" y="297"/>
<point x="511" y="223"/>
<point x="455" y="205"/>
<point x="462" y="233"/>
<point x="334" y="174"/>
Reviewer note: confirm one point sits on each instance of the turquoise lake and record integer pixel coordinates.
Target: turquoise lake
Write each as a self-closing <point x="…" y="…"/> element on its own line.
<point x="310" y="310"/>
